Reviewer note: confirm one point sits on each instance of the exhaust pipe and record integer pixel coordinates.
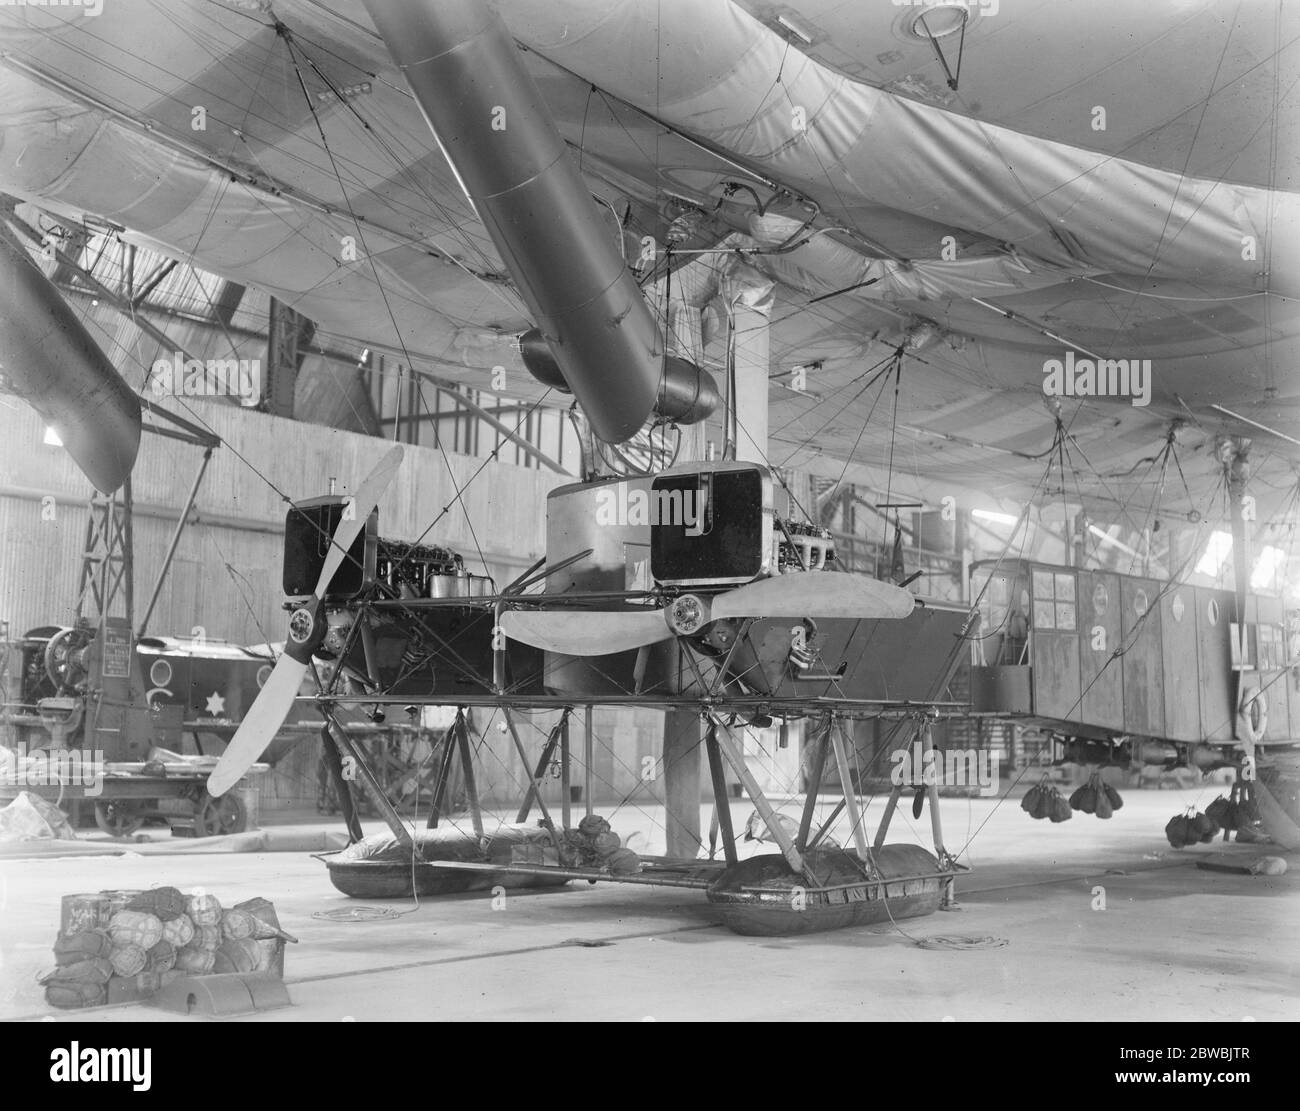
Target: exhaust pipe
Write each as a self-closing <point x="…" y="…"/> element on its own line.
<point x="56" y="366"/>
<point x="494" y="129"/>
<point x="686" y="393"/>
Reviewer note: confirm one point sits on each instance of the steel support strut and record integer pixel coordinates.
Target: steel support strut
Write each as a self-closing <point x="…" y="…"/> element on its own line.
<point x="726" y="743"/>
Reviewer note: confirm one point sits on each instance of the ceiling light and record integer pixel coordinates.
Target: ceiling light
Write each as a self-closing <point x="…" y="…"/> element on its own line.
<point x="794" y="30"/>
<point x="52" y="437"/>
<point x="996" y="518"/>
<point x="1106" y="538"/>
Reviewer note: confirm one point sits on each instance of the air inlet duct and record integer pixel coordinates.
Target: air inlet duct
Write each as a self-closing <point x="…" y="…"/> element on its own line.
<point x="687" y="394"/>
<point x="494" y="129"/>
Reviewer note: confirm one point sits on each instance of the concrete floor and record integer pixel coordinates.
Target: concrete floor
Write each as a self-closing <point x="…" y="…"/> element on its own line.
<point x="1174" y="942"/>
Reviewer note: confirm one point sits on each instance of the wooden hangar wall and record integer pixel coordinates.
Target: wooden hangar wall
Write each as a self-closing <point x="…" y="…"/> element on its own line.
<point x="239" y="517"/>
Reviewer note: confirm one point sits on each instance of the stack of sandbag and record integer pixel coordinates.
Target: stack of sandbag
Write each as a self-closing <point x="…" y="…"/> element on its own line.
<point x="119" y="947"/>
<point x="82" y="972"/>
<point x="1096" y="797"/>
<point x="112" y="947"/>
<point x="1045" y="801"/>
<point x="1190" y="828"/>
<point x="595" y="845"/>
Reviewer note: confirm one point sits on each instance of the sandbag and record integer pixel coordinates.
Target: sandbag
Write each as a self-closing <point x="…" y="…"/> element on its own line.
<point x="593" y="825"/>
<point x="1103" y="809"/>
<point x="1041" y="801"/>
<point x="1085" y="798"/>
<point x="237" y="924"/>
<point x="94" y="970"/>
<point x="128" y="960"/>
<point x="194" y="960"/>
<point x="1112" y="796"/>
<point x="1204" y="827"/>
<point x="623" y="862"/>
<point x="1179" y="833"/>
<point x="165" y="903"/>
<point x="205" y="937"/>
<point x="69" y="994"/>
<point x="162" y="957"/>
<point x="178" y="932"/>
<point x="1224" y="812"/>
<point x="135" y="927"/>
<point x="204" y="910"/>
<point x="607" y="843"/>
<point x="70" y="948"/>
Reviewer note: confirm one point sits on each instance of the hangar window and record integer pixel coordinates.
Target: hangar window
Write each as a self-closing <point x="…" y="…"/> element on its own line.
<point x="1054" y="604"/>
<point x="1271" y="653"/>
<point x="1004" y="622"/>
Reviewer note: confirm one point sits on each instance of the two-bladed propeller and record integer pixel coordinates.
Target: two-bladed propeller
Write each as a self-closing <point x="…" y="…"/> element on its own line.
<point x="575" y="632"/>
<point x="274" y="701"/>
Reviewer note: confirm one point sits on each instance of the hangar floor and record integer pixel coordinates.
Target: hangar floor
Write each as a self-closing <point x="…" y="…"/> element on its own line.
<point x="1174" y="942"/>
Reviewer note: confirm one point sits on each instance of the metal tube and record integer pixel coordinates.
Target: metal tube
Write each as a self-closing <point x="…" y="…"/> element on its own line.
<point x="813" y="785"/>
<point x="175" y="540"/>
<point x="593" y="874"/>
<point x="722" y="805"/>
<point x="850" y="794"/>
<point x="467" y="768"/>
<point x="588" y="754"/>
<point x="444" y="774"/>
<point x="369" y="782"/>
<point x="496" y="132"/>
<point x="727" y="745"/>
<point x="932" y="788"/>
<point x="548" y="750"/>
<point x="535" y="790"/>
<point x="882" y="831"/>
<point x="566" y="803"/>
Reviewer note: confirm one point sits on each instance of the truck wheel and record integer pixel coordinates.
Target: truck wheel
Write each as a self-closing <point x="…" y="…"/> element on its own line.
<point x="117" y="818"/>
<point x="218" y="817"/>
